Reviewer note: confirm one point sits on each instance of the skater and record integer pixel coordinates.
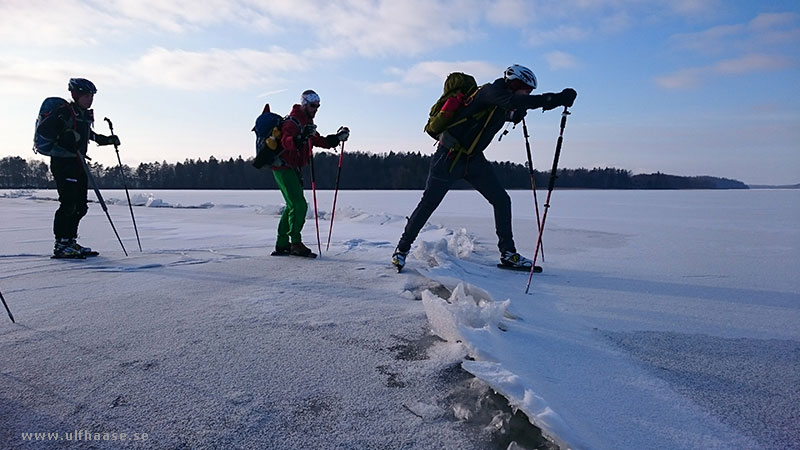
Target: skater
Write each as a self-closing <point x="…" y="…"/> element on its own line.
<point x="298" y="137"/>
<point x="70" y="126"/>
<point x="460" y="155"/>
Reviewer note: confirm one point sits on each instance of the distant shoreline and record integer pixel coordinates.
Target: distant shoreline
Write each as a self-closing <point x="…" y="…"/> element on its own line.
<point x="360" y="171"/>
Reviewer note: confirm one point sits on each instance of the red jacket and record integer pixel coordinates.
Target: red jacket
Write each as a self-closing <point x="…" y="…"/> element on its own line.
<point x="297" y="158"/>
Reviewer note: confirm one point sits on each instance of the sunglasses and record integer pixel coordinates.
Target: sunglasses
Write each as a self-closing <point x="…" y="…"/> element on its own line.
<point x="313" y="105"/>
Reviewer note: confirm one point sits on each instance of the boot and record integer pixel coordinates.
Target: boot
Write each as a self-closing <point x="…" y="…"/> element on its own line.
<point x="282" y="251"/>
<point x="63" y="249"/>
<point x="399" y="259"/>
<point x="299" y="249"/>
<point x="85" y="251"/>
<point x="515" y="260"/>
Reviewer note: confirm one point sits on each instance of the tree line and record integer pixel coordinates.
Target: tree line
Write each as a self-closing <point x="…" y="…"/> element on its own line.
<point x="360" y="170"/>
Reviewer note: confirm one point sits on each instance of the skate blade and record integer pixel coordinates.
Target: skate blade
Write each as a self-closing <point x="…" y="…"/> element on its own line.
<point x="536" y="269"/>
<point x="68" y="257"/>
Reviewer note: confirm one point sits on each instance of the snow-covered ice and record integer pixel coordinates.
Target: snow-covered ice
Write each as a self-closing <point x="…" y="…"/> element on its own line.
<point x="663" y="320"/>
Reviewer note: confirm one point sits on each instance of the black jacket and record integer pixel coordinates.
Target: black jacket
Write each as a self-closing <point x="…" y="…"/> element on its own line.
<point x="509" y="107"/>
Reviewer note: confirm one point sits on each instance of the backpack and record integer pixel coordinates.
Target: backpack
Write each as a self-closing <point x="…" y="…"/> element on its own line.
<point x="268" y="138"/>
<point x="459" y="88"/>
<point x="42" y="145"/>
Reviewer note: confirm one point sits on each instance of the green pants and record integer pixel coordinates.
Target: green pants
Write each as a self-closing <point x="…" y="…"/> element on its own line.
<point x="294" y="215"/>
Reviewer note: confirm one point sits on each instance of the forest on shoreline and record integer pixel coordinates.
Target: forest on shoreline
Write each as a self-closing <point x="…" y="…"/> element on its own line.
<point x="360" y="171"/>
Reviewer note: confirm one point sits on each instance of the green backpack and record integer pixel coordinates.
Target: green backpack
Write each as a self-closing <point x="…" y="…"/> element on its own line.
<point x="456" y="83"/>
<point x="459" y="89"/>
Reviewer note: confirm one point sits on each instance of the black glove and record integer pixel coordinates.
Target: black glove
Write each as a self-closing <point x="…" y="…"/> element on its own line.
<point x="343" y="133"/>
<point x="563" y="98"/>
<point x="332" y="140"/>
<point x="307" y="131"/>
<point x="517" y="115"/>
<point x="68" y="140"/>
<point x="568" y="96"/>
<point x="106" y="140"/>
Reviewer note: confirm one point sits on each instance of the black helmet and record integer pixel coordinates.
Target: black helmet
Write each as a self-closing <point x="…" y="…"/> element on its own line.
<point x="82" y="85"/>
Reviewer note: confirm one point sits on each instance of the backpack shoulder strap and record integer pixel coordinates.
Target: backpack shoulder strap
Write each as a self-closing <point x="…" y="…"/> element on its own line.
<point x="294" y="121"/>
<point x="477" y="138"/>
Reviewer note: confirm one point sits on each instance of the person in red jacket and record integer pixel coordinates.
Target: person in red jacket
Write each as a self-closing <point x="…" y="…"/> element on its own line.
<point x="298" y="137"/>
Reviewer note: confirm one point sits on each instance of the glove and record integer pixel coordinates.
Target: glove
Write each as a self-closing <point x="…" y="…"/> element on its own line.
<point x="332" y="140"/>
<point x="563" y="98"/>
<point x="307" y="131"/>
<point x="343" y="133"/>
<point x="517" y="115"/>
<point x="106" y="140"/>
<point x="68" y="140"/>
<point x="568" y="96"/>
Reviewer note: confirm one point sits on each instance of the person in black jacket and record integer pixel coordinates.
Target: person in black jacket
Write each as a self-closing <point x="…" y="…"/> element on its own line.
<point x="70" y="126"/>
<point x="460" y="155"/>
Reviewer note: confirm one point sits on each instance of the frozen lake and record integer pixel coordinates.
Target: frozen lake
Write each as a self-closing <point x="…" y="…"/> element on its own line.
<point x="663" y="319"/>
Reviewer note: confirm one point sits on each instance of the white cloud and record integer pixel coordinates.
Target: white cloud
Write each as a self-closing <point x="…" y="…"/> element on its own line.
<point x="561" y="60"/>
<point x="215" y="68"/>
<point x="710" y="41"/>
<point x="373" y="28"/>
<point x="765" y="43"/>
<point x="434" y="72"/>
<point x="514" y="13"/>
<point x="64" y="23"/>
<point x="560" y="34"/>
<point x="21" y="76"/>
<point x="177" y="15"/>
<point x="580" y="20"/>
<point x="750" y="63"/>
<point x="177" y="69"/>
<point x="390" y="27"/>
<point x="696" y="76"/>
<point x="692" y="7"/>
<point x="760" y="33"/>
<point x="682" y="79"/>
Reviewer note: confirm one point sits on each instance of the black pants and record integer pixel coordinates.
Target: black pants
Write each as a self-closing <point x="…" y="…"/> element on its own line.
<point x="479" y="173"/>
<point x="72" y="185"/>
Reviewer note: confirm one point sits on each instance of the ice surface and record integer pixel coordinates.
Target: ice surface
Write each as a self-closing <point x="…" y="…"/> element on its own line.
<point x="662" y="320"/>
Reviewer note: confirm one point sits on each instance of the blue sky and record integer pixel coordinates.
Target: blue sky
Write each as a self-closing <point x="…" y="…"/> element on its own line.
<point x="700" y="87"/>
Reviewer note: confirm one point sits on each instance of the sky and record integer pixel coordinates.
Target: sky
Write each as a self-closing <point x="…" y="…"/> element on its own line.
<point x="687" y="87"/>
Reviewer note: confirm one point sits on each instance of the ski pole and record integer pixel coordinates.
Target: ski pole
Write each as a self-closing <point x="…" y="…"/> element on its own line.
<point x="552" y="183"/>
<point x="314" y="194"/>
<point x="100" y="198"/>
<point x="125" y="185"/>
<point x="533" y="178"/>
<point x="335" y="194"/>
<point x="10" y="316"/>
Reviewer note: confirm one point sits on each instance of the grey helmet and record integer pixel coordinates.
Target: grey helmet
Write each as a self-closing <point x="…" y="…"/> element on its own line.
<point x="522" y="73"/>
<point x="82" y="85"/>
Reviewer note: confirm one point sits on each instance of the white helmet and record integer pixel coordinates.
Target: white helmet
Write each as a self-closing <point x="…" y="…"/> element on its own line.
<point x="309" y="96"/>
<point x="522" y="73"/>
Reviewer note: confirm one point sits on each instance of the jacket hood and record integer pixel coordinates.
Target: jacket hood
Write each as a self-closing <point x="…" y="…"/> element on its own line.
<point x="299" y="113"/>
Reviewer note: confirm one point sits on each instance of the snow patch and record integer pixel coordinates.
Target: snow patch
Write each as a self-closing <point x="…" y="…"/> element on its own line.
<point x="468" y="309"/>
<point x="150" y="201"/>
<point x="461" y="244"/>
<point x="18" y="193"/>
<point x="440" y="253"/>
<point x="270" y="210"/>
